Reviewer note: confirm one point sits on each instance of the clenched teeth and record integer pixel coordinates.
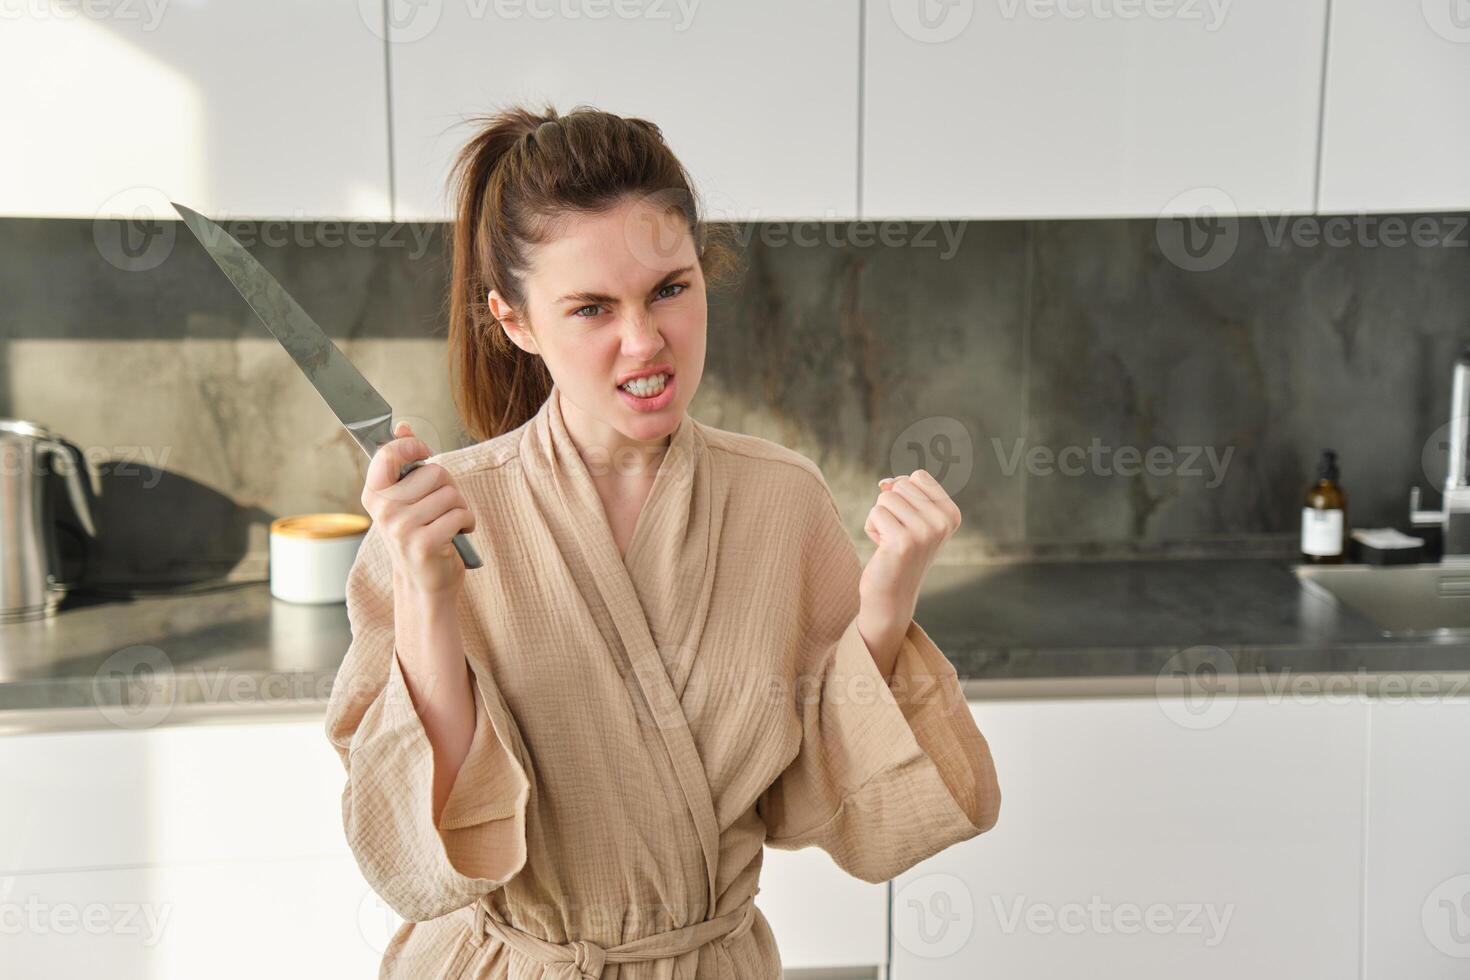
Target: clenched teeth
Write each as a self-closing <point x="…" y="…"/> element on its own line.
<point x="646" y="387"/>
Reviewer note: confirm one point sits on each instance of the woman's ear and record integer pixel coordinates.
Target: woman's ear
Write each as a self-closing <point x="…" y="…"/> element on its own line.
<point x="510" y="323"/>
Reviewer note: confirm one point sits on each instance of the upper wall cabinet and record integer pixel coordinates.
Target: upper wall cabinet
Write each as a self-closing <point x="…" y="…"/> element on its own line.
<point x="1090" y="108"/>
<point x="1395" y="128"/>
<point x="758" y="98"/>
<point x="267" y="108"/>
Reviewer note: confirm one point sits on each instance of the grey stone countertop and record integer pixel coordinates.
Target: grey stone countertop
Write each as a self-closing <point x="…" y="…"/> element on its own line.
<point x="1034" y="629"/>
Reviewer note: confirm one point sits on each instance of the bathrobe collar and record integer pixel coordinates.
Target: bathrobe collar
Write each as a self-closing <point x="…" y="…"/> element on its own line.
<point x="657" y="598"/>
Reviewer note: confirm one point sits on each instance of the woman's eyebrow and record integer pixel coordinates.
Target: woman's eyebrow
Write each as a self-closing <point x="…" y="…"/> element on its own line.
<point x="603" y="298"/>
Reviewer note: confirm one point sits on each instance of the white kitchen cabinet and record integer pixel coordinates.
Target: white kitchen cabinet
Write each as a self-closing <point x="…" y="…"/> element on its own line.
<point x="1418" y="853"/>
<point x="1061" y="108"/>
<point x="230" y="836"/>
<point x="822" y="917"/>
<point x="270" y="108"/>
<point x="174" y="794"/>
<point x="1130" y="845"/>
<point x="758" y="98"/>
<point x="179" y="852"/>
<point x="1395" y="131"/>
<point x="235" y="920"/>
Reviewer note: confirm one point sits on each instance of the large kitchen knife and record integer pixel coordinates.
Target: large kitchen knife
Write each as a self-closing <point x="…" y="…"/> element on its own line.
<point x="367" y="416"/>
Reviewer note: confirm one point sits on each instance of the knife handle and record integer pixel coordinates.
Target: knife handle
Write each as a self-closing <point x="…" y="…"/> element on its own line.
<point x="467" y="552"/>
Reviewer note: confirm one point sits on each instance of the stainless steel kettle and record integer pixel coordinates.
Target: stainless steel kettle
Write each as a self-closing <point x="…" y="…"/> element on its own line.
<point x="29" y="557"/>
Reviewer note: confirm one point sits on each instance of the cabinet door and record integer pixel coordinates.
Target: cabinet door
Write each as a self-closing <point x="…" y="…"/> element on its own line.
<point x="1395" y="130"/>
<point x="1130" y="845"/>
<point x="226" y="921"/>
<point x="822" y="917"/>
<point x="1064" y="108"/>
<point x="758" y="98"/>
<point x="267" y="108"/>
<point x="256" y="791"/>
<point x="1418" y="876"/>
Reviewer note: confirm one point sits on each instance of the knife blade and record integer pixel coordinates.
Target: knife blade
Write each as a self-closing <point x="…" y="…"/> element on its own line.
<point x="357" y="404"/>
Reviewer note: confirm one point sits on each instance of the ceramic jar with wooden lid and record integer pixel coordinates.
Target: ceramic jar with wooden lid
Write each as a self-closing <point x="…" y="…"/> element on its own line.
<point x="311" y="555"/>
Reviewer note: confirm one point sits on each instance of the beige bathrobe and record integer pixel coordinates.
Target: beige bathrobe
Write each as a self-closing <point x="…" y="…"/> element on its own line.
<point x="645" y="725"/>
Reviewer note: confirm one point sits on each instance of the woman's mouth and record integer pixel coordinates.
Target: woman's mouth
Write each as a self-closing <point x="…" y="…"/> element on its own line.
<point x="648" y="394"/>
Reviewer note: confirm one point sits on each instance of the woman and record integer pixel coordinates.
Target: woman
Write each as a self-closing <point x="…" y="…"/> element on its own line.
<point x="565" y="764"/>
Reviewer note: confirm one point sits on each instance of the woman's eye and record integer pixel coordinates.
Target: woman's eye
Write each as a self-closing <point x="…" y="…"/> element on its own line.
<point x="665" y="294"/>
<point x="582" y="312"/>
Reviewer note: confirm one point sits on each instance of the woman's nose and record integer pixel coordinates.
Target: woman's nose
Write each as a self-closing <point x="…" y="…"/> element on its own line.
<point x="641" y="338"/>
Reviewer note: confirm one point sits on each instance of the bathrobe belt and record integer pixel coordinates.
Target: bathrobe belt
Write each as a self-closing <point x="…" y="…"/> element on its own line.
<point x="583" y="960"/>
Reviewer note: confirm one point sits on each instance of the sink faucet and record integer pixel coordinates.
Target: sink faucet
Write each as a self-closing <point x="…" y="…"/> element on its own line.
<point x="1453" y="517"/>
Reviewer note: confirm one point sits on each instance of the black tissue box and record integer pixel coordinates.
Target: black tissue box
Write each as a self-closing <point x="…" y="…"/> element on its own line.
<point x="1371" y="554"/>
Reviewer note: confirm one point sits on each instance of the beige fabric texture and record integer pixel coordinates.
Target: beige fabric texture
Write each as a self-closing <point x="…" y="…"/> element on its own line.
<point x="646" y="724"/>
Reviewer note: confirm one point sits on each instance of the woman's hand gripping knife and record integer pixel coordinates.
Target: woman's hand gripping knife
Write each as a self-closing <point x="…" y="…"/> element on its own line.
<point x="417" y="517"/>
<point x="912" y="517"/>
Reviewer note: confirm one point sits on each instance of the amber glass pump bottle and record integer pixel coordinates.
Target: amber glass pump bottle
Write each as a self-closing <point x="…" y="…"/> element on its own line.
<point x="1324" y="516"/>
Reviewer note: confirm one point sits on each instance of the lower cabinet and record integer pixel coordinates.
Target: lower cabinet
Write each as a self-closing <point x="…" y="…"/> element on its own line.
<point x="1147" y="838"/>
<point x="1418" y="854"/>
<point x="824" y="920"/>
<point x="241" y="920"/>
<point x="216" y="850"/>
<point x="1139" y="837"/>
<point x="212" y="850"/>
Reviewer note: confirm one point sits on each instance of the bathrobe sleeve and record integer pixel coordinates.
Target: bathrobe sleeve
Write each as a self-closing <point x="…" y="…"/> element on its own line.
<point x="886" y="773"/>
<point x="420" y="869"/>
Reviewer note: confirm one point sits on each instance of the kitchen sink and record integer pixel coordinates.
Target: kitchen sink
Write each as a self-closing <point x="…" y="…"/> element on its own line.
<point x="1401" y="600"/>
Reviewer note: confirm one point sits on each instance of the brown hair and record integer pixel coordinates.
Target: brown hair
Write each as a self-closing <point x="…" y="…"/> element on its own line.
<point x="511" y="181"/>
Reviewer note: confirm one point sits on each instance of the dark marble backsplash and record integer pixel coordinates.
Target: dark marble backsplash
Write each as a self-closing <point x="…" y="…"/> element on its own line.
<point x="1082" y="388"/>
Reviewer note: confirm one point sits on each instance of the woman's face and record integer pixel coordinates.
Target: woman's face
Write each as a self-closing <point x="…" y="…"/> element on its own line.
<point x="609" y="295"/>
